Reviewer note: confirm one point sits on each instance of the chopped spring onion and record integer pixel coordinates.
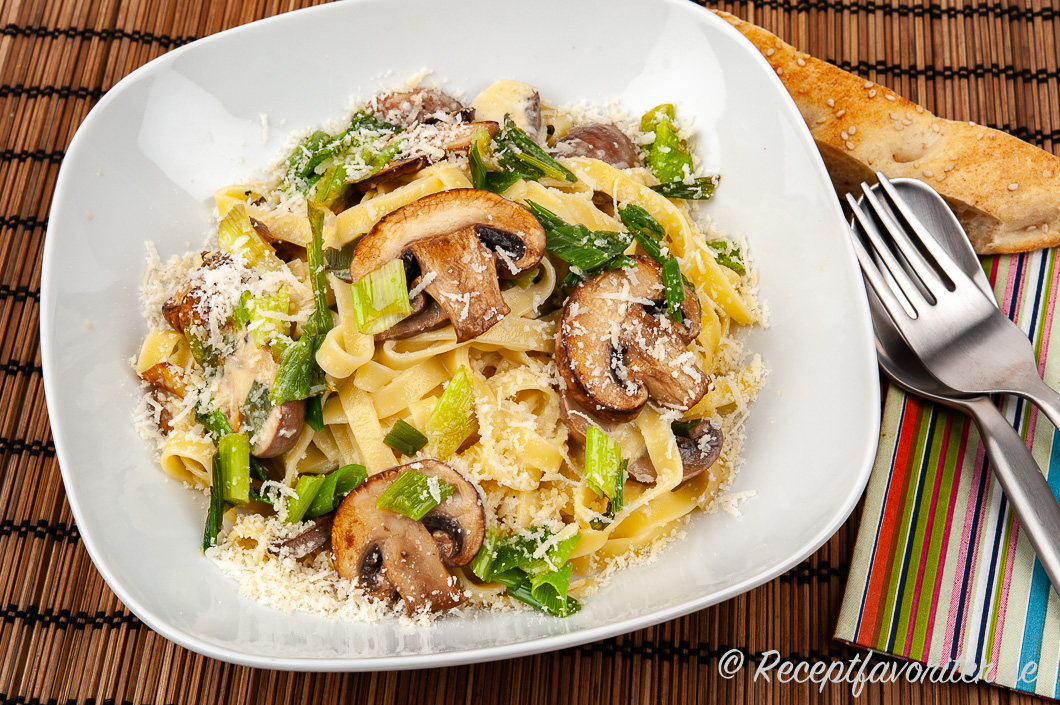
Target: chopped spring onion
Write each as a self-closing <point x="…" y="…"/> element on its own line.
<point x="258" y="496"/>
<point x="236" y="235"/>
<point x="337" y="261"/>
<point x="405" y="438"/>
<point x="414" y="494"/>
<point x="587" y="251"/>
<point x="259" y="470"/>
<point x="314" y="413"/>
<point x="605" y="470"/>
<point x="674" y="286"/>
<point x="263" y="315"/>
<point x="256" y="407"/>
<point x="728" y="255"/>
<point x="203" y="353"/>
<point x="299" y="375"/>
<point x="482" y="563"/>
<point x="539" y="581"/>
<point x="381" y="298"/>
<point x="234" y="452"/>
<point x="453" y="420"/>
<point x="683" y="428"/>
<point x="215" y="422"/>
<point x="520" y="153"/>
<point x="302" y="165"/>
<point x="305" y="492"/>
<point x="476" y="157"/>
<point x="215" y="515"/>
<point x="334" y="489"/>
<point x="668" y="156"/>
<point x="700" y="189"/>
<point x="546" y="595"/>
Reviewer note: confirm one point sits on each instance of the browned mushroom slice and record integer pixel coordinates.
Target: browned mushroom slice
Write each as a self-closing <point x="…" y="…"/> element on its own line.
<point x="604" y="142"/>
<point x="458" y="136"/>
<point x="388" y="554"/>
<point x="281" y="429"/>
<point x="615" y="346"/>
<point x="190" y="305"/>
<point x="431" y="316"/>
<point x="393" y="171"/>
<point x="698" y="452"/>
<point x="408" y="108"/>
<point x="463" y="240"/>
<point x="304" y="543"/>
<point x="458" y="523"/>
<point x="167" y="376"/>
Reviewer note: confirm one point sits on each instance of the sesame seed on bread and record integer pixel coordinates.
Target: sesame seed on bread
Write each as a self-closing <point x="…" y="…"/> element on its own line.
<point x="1004" y="191"/>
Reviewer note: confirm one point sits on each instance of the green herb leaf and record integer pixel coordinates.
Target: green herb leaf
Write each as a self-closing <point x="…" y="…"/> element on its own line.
<point x="728" y="255"/>
<point x="314" y="413"/>
<point x="700" y="189"/>
<point x="333" y="490"/>
<point x="405" y="438"/>
<point x="414" y="494"/>
<point x="521" y="588"/>
<point x="520" y="153"/>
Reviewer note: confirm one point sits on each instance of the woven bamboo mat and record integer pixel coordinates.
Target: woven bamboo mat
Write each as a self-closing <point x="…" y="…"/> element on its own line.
<point x="65" y="638"/>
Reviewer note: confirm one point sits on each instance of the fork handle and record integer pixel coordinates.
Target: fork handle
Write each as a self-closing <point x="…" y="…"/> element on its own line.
<point x="1022" y="481"/>
<point x="1031" y="387"/>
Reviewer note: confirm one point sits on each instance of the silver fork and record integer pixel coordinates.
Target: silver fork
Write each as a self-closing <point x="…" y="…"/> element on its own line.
<point x="962" y="338"/>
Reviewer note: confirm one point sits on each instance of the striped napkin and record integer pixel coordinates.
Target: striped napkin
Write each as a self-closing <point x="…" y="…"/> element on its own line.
<point x="941" y="573"/>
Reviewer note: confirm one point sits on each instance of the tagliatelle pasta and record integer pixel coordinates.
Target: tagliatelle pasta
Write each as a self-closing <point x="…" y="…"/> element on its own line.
<point x="254" y="343"/>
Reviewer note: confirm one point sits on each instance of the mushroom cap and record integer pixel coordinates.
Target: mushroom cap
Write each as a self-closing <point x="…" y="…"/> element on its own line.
<point x="281" y="429"/>
<point x="615" y="346"/>
<point x="458" y="523"/>
<point x="409" y="108"/>
<point x="698" y="452"/>
<point x="388" y="554"/>
<point x="598" y="141"/>
<point x="451" y="235"/>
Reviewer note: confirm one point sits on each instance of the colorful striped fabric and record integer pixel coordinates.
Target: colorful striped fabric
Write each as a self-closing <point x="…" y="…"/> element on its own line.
<point x="941" y="573"/>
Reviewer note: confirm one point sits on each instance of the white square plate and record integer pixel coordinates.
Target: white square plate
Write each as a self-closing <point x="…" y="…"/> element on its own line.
<point x="147" y="159"/>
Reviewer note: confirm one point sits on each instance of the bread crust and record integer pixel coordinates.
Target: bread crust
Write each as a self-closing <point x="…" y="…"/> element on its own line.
<point x="1005" y="192"/>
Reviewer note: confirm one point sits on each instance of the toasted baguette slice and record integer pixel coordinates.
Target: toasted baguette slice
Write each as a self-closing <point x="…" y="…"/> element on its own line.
<point x="1004" y="191"/>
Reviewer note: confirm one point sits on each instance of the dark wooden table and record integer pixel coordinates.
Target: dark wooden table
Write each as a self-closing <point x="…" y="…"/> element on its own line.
<point x="65" y="638"/>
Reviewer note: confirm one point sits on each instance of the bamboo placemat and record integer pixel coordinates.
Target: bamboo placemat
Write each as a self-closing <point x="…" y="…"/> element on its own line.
<point x="65" y="638"/>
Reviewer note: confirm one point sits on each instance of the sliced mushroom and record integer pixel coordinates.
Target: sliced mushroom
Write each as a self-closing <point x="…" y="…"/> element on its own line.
<point x="462" y="240"/>
<point x="456" y="136"/>
<point x="388" y="554"/>
<point x="431" y="316"/>
<point x="616" y="347"/>
<point x="304" y="543"/>
<point x="604" y="142"/>
<point x="190" y="305"/>
<point x="518" y="100"/>
<point x="408" y="108"/>
<point x="458" y="523"/>
<point x="281" y="427"/>
<point x="394" y="170"/>
<point x="167" y="376"/>
<point x="698" y="452"/>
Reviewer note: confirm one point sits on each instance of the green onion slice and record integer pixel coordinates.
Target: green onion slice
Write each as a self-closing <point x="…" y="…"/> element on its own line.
<point x="381" y="298"/>
<point x="334" y="489"/>
<point x="674" y="286"/>
<point x="453" y="420"/>
<point x="305" y="492"/>
<point x="605" y="470"/>
<point x="234" y="452"/>
<point x="700" y="189"/>
<point x="414" y="494"/>
<point x="405" y="438"/>
<point x="215" y="514"/>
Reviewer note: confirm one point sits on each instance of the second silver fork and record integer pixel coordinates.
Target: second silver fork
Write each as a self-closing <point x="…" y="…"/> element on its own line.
<point x="959" y="334"/>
